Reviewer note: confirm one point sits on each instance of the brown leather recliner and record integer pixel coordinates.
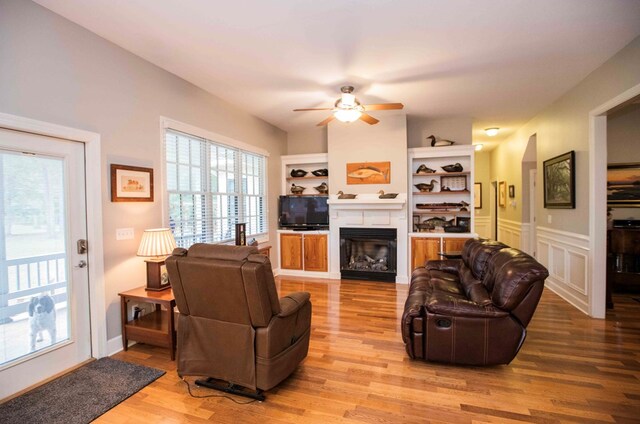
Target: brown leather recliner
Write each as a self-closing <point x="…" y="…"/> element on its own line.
<point x="473" y="310"/>
<point x="231" y="324"/>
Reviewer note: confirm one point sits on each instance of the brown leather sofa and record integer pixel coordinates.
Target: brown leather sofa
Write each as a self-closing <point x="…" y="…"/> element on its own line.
<point x="473" y="310"/>
<point x="231" y="324"/>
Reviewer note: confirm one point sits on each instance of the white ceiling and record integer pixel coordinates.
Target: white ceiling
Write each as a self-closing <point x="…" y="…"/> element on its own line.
<point x="497" y="61"/>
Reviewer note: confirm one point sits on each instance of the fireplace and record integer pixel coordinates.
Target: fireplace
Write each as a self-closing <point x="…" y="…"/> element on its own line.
<point x="368" y="253"/>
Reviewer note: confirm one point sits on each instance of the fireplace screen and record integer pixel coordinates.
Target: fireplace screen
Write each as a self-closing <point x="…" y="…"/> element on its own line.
<point x="368" y="253"/>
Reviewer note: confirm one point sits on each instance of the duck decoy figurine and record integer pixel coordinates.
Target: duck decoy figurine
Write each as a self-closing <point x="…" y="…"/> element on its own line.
<point x="426" y="188"/>
<point x="297" y="173"/>
<point x="342" y="195"/>
<point x="384" y="195"/>
<point x="437" y="141"/>
<point x="423" y="169"/>
<point x="321" y="172"/>
<point x="464" y="206"/>
<point x="453" y="168"/>
<point x="297" y="189"/>
<point x="322" y="188"/>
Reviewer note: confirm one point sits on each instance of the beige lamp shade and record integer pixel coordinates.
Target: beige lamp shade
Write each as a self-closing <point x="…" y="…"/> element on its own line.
<point x="157" y="242"/>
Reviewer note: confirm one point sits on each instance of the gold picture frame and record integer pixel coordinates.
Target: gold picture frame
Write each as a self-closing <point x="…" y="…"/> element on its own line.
<point x="131" y="183"/>
<point x="502" y="194"/>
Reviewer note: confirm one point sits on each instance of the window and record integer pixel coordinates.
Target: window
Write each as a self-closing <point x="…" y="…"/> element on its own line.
<point x="211" y="187"/>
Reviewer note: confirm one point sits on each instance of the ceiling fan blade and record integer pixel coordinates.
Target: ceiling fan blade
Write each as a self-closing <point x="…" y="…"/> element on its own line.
<point x="326" y="121"/>
<point x="368" y="119"/>
<point x="313" y="108"/>
<point x="384" y="106"/>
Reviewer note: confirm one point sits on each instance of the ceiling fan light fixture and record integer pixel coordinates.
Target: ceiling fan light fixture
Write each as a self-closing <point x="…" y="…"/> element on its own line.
<point x="347" y="115"/>
<point x="348" y="100"/>
<point x="491" y="131"/>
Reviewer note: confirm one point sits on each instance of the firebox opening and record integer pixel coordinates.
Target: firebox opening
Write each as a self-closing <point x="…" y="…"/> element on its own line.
<point x="368" y="254"/>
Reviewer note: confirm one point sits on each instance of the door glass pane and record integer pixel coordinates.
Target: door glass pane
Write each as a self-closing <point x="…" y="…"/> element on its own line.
<point x="33" y="262"/>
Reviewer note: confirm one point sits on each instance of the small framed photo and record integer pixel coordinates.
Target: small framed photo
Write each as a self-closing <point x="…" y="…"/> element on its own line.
<point x="512" y="191"/>
<point x="477" y="195"/>
<point x="131" y="184"/>
<point x="464" y="222"/>
<point x="502" y="194"/>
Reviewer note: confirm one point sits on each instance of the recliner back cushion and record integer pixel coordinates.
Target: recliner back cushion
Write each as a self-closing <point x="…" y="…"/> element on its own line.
<point x="476" y="254"/>
<point x="511" y="273"/>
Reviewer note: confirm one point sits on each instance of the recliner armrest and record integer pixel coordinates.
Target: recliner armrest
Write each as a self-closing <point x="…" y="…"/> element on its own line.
<point x="447" y="305"/>
<point x="291" y="303"/>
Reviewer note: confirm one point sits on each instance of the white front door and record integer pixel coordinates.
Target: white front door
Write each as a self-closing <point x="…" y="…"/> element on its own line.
<point x="44" y="285"/>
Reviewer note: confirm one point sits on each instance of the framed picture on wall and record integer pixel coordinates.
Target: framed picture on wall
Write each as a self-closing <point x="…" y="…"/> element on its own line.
<point x="369" y="173"/>
<point x="560" y="182"/>
<point x="623" y="185"/>
<point x="131" y="184"/>
<point x="512" y="191"/>
<point x="477" y="195"/>
<point x="502" y="194"/>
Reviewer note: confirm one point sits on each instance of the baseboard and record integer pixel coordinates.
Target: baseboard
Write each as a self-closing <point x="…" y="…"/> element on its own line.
<point x="114" y="345"/>
<point x="567" y="296"/>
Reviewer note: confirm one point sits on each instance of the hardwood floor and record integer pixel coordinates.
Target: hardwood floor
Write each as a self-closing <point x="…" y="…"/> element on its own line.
<point x="570" y="369"/>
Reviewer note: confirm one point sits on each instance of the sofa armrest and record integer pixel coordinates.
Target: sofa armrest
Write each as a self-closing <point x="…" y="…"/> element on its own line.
<point x="446" y="265"/>
<point x="451" y="306"/>
<point x="291" y="303"/>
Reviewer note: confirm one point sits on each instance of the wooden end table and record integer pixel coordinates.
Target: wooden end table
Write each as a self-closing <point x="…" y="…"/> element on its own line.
<point x="155" y="328"/>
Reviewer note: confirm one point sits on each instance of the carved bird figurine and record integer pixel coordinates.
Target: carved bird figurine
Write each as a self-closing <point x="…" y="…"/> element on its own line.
<point x="322" y="188"/>
<point x="341" y="195"/>
<point x="437" y="141"/>
<point x="426" y="188"/>
<point x="453" y="168"/>
<point x="423" y="169"/>
<point x="297" y="189"/>
<point x="384" y="195"/>
<point x="464" y="206"/>
<point x="320" y="172"/>
<point x="297" y="173"/>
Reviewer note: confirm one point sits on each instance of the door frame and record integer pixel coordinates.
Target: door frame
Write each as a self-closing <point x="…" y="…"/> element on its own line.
<point x="93" y="187"/>
<point x="598" y="200"/>
<point x="533" y="174"/>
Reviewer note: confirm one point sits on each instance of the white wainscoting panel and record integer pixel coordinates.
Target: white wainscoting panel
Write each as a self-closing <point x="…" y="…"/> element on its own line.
<point x="525" y="237"/>
<point x="509" y="232"/>
<point x="566" y="256"/>
<point x="483" y="226"/>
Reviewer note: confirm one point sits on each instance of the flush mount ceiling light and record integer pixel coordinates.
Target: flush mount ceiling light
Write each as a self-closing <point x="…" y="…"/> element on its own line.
<point x="491" y="131"/>
<point x="478" y="147"/>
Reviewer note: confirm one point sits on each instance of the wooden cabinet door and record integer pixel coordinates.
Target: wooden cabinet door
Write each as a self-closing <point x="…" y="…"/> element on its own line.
<point x="423" y="250"/>
<point x="291" y="251"/>
<point x="454" y="244"/>
<point x="315" y="252"/>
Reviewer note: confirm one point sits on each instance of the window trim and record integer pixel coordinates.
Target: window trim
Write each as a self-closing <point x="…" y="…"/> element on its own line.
<point x="171" y="124"/>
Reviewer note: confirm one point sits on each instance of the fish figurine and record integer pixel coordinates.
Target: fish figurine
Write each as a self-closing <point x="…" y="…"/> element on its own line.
<point x="384" y="195"/>
<point x="297" y="189"/>
<point x="298" y="173"/>
<point x="453" y="168"/>
<point x="439" y="221"/>
<point x="342" y="195"/>
<point x="426" y="188"/>
<point x="438" y="142"/>
<point x="322" y="188"/>
<point x="423" y="169"/>
<point x="321" y="172"/>
<point x="367" y="172"/>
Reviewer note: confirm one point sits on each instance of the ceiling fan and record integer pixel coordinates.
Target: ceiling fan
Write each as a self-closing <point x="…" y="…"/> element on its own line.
<point x="348" y="109"/>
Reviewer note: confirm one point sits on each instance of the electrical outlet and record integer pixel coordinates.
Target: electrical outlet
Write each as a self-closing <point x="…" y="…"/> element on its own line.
<point x="549" y="219"/>
<point x="132" y="308"/>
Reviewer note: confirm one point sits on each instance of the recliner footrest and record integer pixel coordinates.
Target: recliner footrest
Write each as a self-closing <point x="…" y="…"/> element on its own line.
<point x="231" y="388"/>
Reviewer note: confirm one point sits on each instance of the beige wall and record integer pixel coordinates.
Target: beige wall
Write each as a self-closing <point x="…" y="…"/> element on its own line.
<point x="564" y="126"/>
<point x="454" y="129"/>
<point x="623" y="146"/>
<point x="312" y="140"/>
<point x="55" y="71"/>
<point x="358" y="142"/>
<point x="482" y="168"/>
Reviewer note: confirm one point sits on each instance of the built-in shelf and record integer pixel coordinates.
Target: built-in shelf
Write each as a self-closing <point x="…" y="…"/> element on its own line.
<point x="325" y="177"/>
<point x="438" y="174"/>
<point x="445" y="212"/>
<point x="431" y="193"/>
<point x="309" y="194"/>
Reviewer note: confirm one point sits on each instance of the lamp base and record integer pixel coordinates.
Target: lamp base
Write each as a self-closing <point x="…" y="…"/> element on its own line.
<point x="157" y="277"/>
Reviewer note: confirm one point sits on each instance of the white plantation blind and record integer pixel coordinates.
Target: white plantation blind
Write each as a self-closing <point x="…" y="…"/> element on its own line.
<point x="211" y="187"/>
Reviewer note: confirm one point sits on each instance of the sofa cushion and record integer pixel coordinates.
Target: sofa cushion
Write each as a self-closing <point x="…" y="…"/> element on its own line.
<point x="476" y="254"/>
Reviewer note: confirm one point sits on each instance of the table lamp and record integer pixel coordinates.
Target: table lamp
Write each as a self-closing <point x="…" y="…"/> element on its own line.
<point x="157" y="244"/>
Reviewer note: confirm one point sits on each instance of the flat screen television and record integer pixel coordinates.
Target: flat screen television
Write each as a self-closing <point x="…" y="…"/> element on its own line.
<point x="303" y="212"/>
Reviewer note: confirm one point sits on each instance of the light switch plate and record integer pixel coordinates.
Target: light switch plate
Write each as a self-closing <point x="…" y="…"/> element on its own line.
<point x="124" y="234"/>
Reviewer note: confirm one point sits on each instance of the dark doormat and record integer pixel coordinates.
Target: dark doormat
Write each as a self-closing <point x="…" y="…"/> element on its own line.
<point x="80" y="396"/>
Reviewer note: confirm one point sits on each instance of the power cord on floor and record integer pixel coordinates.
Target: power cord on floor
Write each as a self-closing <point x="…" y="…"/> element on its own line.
<point x="210" y="396"/>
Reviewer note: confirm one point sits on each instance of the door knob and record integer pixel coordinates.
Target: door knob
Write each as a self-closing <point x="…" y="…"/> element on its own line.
<point x="81" y="264"/>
